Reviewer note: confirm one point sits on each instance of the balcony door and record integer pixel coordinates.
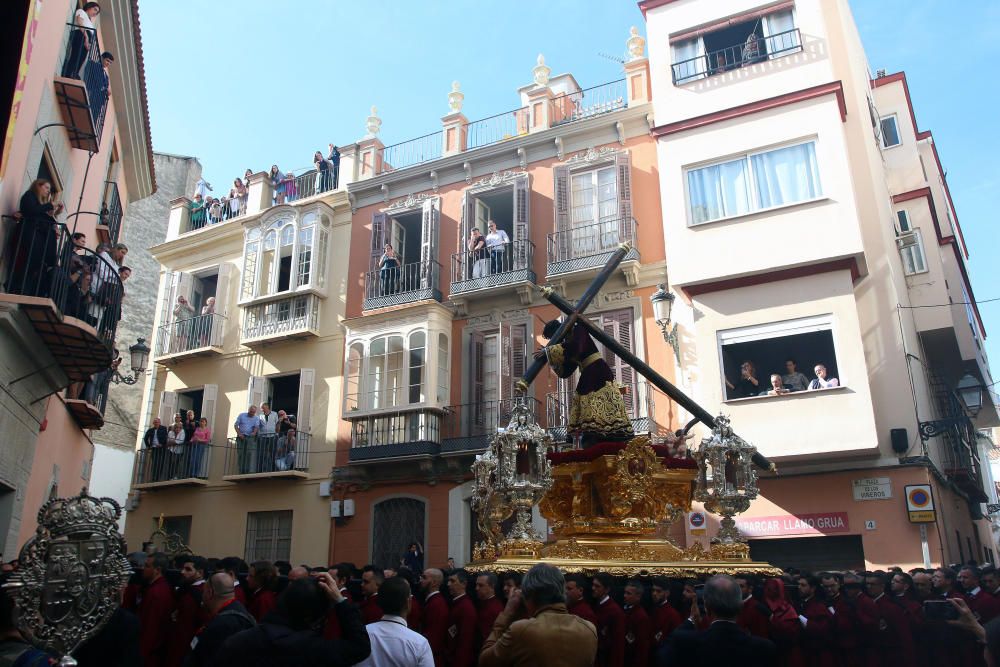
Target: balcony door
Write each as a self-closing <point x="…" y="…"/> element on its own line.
<point x="506" y="202"/>
<point x="593" y="208"/>
<point x="498" y="358"/>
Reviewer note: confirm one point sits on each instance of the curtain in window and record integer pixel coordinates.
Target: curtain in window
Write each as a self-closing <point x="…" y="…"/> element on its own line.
<point x="684" y="67"/>
<point x="718" y="191"/>
<point x="777" y="29"/>
<point x="786" y="175"/>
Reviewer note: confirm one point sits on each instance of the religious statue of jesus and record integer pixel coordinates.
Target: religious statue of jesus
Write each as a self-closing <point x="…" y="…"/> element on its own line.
<point x="597" y="413"/>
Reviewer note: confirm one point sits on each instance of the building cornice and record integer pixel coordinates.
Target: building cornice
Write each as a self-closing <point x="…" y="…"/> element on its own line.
<point x="511" y="154"/>
<point x="844" y="264"/>
<point x="365" y="324"/>
<point x="832" y="88"/>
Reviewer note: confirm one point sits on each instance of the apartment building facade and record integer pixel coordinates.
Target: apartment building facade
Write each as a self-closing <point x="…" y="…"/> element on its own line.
<point x="806" y="216"/>
<point x="89" y="137"/>
<point x="436" y="340"/>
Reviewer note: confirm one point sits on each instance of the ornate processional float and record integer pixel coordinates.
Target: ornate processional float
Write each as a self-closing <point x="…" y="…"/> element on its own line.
<point x="609" y="498"/>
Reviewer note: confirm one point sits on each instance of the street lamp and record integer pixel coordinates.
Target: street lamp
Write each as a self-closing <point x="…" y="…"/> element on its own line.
<point x="971" y="392"/>
<point x="139" y="357"/>
<point x="663" y="304"/>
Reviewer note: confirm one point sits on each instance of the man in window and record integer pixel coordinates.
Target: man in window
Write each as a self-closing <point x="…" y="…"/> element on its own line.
<point x="247" y="427"/>
<point x="496" y="243"/>
<point x="821" y="381"/>
<point x="777" y="388"/>
<point x="793" y="379"/>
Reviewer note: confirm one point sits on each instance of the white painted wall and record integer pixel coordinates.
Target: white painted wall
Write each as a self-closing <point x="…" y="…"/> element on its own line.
<point x="111" y="475"/>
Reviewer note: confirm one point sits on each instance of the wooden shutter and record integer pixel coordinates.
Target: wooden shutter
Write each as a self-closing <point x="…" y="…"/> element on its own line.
<point x="380" y="236"/>
<point x="428" y="243"/>
<point x="522" y="197"/>
<point x="257" y="391"/>
<point x="561" y="197"/>
<point x="222" y="289"/>
<point x="168" y="407"/>
<point x="209" y="402"/>
<point x="618" y="324"/>
<point x="514" y="340"/>
<point x="505" y="366"/>
<point x="166" y="304"/>
<point x="623" y="165"/>
<point x="307" y="380"/>
<point x="476" y="345"/>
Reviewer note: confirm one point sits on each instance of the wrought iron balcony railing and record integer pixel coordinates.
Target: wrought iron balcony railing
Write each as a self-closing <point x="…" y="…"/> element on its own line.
<point x="753" y="50"/>
<point x="307" y="184"/>
<point x="109" y="221"/>
<point x="396" y="434"/>
<point x="491" y="267"/>
<point x="267" y="454"/>
<point x="411" y="282"/>
<point x="188" y="461"/>
<point x="193" y="333"/>
<point x="468" y="427"/>
<point x="82" y="62"/>
<point x="588" y="103"/>
<point x="586" y="246"/>
<point x="293" y="314"/>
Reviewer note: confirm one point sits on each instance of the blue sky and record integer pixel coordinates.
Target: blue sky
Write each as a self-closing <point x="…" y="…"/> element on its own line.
<point x="246" y="84"/>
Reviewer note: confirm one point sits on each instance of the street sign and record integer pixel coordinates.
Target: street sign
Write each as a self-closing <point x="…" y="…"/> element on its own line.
<point x="872" y="488"/>
<point x="920" y="503"/>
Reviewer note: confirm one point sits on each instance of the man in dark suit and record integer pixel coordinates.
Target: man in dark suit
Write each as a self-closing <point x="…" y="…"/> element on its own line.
<point x="724" y="643"/>
<point x="155" y="440"/>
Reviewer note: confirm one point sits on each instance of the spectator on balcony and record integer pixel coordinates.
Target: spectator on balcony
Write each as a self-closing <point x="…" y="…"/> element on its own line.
<point x="214" y="210"/>
<point x="793" y="379"/>
<point x="748" y="384"/>
<point x="107" y="271"/>
<point x="204" y="332"/>
<point x="388" y="270"/>
<point x="183" y="315"/>
<point x="284" y="452"/>
<point x="777" y="387"/>
<point x="476" y="245"/>
<point x="35" y="254"/>
<point x="80" y="39"/>
<point x="267" y="439"/>
<point x="99" y="382"/>
<point x="200" y="440"/>
<point x="197" y="212"/>
<point x="202" y="188"/>
<point x="238" y="197"/>
<point x="110" y="298"/>
<point x="154" y="440"/>
<point x="333" y="157"/>
<point x="277" y="185"/>
<point x="190" y="425"/>
<point x="100" y="98"/>
<point x="247" y="427"/>
<point x="324" y="172"/>
<point x="175" y="447"/>
<point x="821" y="381"/>
<point x="497" y="242"/>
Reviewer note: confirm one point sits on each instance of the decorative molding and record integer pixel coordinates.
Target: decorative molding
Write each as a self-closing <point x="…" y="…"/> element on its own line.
<point x="467" y="168"/>
<point x="620" y="130"/>
<point x="631" y="272"/>
<point x="559" y="147"/>
<point x="617" y="297"/>
<point x="409" y="201"/>
<point x="527" y="294"/>
<point x="522" y="157"/>
<point x="592" y="155"/>
<point x="434" y="180"/>
<point x="353" y="199"/>
<point x="650" y="121"/>
<point x="497" y="179"/>
<point x="385" y="193"/>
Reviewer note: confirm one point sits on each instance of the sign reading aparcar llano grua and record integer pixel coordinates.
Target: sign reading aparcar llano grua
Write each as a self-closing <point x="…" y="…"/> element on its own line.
<point x="71" y="574"/>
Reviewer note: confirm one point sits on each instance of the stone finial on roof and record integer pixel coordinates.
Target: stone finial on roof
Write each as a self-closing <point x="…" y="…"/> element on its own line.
<point x="541" y="71"/>
<point x="635" y="44"/>
<point x="373" y="124"/>
<point x="455" y="97"/>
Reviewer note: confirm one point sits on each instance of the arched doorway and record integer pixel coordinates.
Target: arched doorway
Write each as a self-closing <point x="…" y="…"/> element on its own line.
<point x="396" y="522"/>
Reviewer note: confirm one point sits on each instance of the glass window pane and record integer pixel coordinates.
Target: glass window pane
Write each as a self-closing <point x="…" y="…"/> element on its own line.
<point x="904" y="221"/>
<point x="786" y="175"/>
<point x="287" y="235"/>
<point x="890" y="132"/>
<point x="718" y="191"/>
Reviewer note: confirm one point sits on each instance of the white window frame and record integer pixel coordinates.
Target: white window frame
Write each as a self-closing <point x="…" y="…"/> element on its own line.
<point x="906" y="227"/>
<point x="279" y="536"/>
<point x="314" y="220"/>
<point x="769" y="330"/>
<point x="593" y="172"/>
<point x="881" y="132"/>
<point x="752" y="181"/>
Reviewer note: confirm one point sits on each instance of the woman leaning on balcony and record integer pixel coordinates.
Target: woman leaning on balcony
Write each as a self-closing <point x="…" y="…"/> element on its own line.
<point x="79" y="39"/>
<point x="33" y="247"/>
<point x="200" y="440"/>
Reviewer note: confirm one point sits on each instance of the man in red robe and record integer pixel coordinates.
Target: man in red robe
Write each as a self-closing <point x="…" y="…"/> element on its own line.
<point x="233" y="566"/>
<point x="155" y="608"/>
<point x="610" y="624"/>
<point x="489" y="606"/>
<point x="261" y="582"/>
<point x="576" y="603"/>
<point x="461" y="636"/>
<point x="371" y="580"/>
<point x="983" y="604"/>
<point x="435" y="614"/>
<point x="341" y="573"/>
<point x="895" y="643"/>
<point x="638" y="632"/>
<point x="188" y="612"/>
<point x="816" y="623"/>
<point x="751" y="618"/>
<point x="665" y="618"/>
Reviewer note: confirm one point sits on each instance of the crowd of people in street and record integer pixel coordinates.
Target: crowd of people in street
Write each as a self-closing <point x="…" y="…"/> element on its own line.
<point x="192" y="611"/>
<point x="206" y="209"/>
<point x="791" y="380"/>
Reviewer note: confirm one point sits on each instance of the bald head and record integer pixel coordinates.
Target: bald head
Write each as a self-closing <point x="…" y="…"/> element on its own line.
<point x="298" y="572"/>
<point x="431" y="579"/>
<point x="221" y="584"/>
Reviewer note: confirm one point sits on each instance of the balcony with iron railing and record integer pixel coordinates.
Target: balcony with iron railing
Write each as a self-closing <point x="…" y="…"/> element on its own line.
<point x="467" y="428"/>
<point x="109" y="221"/>
<point x="197" y="336"/>
<point x="563" y="109"/>
<point x="88" y="408"/>
<point x="641" y="401"/>
<point x="71" y="296"/>
<point x="501" y="266"/>
<point x="309" y="182"/>
<point x="588" y="246"/>
<point x="753" y="50"/>
<point x="398" y="434"/>
<point x="178" y="465"/>
<point x="271" y="456"/>
<point x="280" y="317"/>
<point x="82" y="88"/>
<point x="393" y="286"/>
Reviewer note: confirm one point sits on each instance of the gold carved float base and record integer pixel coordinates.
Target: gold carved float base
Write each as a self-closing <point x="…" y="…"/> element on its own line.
<point x="604" y="511"/>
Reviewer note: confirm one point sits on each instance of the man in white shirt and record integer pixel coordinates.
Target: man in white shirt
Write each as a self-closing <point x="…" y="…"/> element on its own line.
<point x="393" y="644"/>
<point x="821" y="381"/>
<point x="496" y="243"/>
<point x="268" y="438"/>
